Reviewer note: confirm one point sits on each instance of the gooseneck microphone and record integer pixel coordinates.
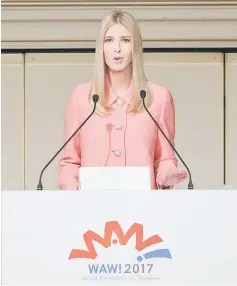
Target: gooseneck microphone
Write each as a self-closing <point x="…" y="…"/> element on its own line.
<point x="143" y="95"/>
<point x="95" y="100"/>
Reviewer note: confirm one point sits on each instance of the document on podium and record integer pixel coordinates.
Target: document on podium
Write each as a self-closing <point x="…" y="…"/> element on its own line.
<point x="115" y="178"/>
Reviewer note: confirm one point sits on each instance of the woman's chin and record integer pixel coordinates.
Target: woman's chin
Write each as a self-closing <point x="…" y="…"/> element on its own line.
<point x="117" y="68"/>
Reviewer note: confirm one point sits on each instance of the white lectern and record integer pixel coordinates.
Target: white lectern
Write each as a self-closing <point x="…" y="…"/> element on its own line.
<point x="115" y="178"/>
<point x="120" y="238"/>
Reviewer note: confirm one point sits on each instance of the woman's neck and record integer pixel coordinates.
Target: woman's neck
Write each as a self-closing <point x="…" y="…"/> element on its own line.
<point x="120" y="81"/>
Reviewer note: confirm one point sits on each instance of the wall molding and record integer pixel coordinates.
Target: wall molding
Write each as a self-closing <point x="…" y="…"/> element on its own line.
<point x="93" y="3"/>
<point x="78" y="26"/>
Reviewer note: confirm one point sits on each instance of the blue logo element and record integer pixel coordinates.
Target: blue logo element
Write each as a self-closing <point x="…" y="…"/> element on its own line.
<point x="158" y="253"/>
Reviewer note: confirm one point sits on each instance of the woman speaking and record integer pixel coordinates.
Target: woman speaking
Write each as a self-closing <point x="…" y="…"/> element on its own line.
<point x="120" y="133"/>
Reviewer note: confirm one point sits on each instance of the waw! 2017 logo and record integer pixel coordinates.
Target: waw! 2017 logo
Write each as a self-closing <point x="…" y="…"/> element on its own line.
<point x="111" y="228"/>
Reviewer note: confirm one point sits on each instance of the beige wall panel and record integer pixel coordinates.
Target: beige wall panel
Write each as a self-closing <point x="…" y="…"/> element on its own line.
<point x="12" y="122"/>
<point x="231" y="120"/>
<point x="196" y="82"/>
<point x="64" y="25"/>
<point x="49" y="80"/>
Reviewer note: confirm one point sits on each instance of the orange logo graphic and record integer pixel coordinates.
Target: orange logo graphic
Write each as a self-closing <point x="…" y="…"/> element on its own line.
<point x="106" y="241"/>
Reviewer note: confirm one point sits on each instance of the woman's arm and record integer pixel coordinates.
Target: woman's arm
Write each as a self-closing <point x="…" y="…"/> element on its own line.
<point x="167" y="174"/>
<point x="70" y="161"/>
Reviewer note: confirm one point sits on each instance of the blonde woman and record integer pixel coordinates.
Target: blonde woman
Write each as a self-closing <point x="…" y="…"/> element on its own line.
<point x="120" y="133"/>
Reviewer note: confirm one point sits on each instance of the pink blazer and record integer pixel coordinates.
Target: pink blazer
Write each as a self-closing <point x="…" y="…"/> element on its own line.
<point x="120" y="139"/>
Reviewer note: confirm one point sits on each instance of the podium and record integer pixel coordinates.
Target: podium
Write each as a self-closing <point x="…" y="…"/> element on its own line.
<point x="115" y="178"/>
<point x="119" y="238"/>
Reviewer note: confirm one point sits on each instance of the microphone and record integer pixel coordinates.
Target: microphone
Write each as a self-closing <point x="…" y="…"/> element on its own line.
<point x="143" y="95"/>
<point x="95" y="98"/>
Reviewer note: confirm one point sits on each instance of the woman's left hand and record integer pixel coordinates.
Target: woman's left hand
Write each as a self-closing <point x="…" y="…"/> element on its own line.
<point x="171" y="178"/>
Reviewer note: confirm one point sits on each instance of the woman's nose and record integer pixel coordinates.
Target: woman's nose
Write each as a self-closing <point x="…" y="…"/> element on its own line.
<point x="117" y="46"/>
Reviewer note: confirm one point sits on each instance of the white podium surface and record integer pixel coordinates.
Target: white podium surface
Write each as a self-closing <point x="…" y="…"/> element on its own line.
<point x="114" y="178"/>
<point x="133" y="238"/>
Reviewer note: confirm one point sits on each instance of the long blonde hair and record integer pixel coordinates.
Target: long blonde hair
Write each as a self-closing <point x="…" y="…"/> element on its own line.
<point x="139" y="80"/>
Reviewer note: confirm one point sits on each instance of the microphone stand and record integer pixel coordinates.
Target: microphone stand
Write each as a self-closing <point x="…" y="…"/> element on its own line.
<point x="95" y="100"/>
<point x="143" y="95"/>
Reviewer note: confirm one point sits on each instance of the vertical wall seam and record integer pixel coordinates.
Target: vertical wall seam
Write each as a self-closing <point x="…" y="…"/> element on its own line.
<point x="224" y="116"/>
<point x="24" y="109"/>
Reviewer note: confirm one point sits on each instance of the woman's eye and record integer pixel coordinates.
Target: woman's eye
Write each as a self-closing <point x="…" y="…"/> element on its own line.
<point x="126" y="40"/>
<point x="108" y="40"/>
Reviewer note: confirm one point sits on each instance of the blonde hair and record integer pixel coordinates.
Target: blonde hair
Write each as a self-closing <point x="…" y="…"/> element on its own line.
<point x="139" y="80"/>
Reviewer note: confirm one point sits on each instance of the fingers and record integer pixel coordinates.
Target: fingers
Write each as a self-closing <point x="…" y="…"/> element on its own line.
<point x="171" y="179"/>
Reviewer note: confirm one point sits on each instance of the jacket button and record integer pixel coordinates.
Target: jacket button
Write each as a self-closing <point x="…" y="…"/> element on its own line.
<point x="117" y="153"/>
<point x="119" y="102"/>
<point x="118" y="126"/>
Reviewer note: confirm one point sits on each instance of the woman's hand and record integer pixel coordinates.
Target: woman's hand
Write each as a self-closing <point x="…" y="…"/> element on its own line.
<point x="171" y="178"/>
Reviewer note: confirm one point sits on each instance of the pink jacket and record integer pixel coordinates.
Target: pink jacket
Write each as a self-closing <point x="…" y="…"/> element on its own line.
<point x="121" y="139"/>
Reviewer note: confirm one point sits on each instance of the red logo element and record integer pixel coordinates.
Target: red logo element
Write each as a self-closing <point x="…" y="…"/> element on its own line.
<point x="110" y="227"/>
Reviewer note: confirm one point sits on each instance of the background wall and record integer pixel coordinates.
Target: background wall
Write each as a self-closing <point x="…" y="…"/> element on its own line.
<point x="36" y="86"/>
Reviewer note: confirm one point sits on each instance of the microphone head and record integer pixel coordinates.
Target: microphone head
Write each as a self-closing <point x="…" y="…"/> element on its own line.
<point x="143" y="94"/>
<point x="95" y="98"/>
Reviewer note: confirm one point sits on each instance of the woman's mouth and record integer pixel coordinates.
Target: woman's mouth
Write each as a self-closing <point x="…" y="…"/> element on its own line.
<point x="117" y="59"/>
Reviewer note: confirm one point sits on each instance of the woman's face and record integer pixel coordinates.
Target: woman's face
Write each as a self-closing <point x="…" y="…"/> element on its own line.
<point x="117" y="48"/>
